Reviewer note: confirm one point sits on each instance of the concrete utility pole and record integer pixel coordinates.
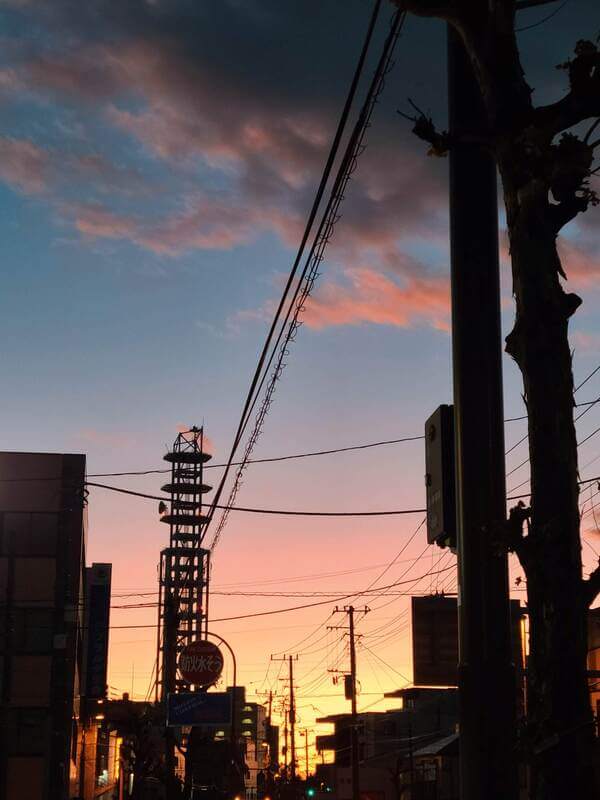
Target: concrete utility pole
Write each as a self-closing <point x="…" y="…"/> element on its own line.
<point x="291" y="716"/>
<point x="285" y="739"/>
<point x="488" y="762"/>
<point x="305" y="734"/>
<point x="350" y="611"/>
<point x="292" y="720"/>
<point x="354" y="739"/>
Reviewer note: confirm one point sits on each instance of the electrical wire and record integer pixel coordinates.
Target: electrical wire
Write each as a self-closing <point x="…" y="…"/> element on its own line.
<point x="272" y="459"/>
<point x="298" y="513"/>
<point x="270" y="510"/>
<point x="310" y="271"/>
<point x="543" y="20"/>
<point x="334" y="595"/>
<point x="258" y="374"/>
<point x="389" y="666"/>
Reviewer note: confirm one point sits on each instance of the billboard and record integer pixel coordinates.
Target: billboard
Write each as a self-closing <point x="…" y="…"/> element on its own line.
<point x="200" y="663"/>
<point x="199" y="708"/>
<point x="98" y="578"/>
<point x="435" y="640"/>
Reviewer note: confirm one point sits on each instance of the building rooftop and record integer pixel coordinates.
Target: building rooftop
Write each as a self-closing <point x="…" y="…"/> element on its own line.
<point x="448" y="746"/>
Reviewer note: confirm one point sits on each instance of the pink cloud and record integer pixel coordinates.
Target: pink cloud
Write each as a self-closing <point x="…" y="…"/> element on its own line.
<point x="583" y="340"/>
<point x="204" y="224"/>
<point x="270" y="153"/>
<point x="97" y="222"/>
<point x="23" y="165"/>
<point x="108" y="439"/>
<point x="367" y="296"/>
<point x="188" y="111"/>
<point x="581" y="260"/>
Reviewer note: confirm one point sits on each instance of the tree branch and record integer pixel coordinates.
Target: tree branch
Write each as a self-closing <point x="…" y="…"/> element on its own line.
<point x="424" y="128"/>
<point x="510" y="534"/>
<point x="443" y="9"/>
<point x="592" y="585"/>
<point x="583" y="100"/>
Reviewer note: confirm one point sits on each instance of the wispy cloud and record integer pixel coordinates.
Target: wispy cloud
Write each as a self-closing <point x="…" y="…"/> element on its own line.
<point x="367" y="296"/>
<point x="23" y="165"/>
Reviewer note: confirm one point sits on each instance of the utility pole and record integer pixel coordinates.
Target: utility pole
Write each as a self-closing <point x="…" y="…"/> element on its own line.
<point x="488" y="764"/>
<point x="285" y="740"/>
<point x="270" y="729"/>
<point x="269" y="694"/>
<point x="292" y="720"/>
<point x="305" y="733"/>
<point x="291" y="715"/>
<point x="350" y="611"/>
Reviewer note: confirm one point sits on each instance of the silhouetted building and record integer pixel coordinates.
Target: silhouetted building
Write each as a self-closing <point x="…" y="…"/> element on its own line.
<point x="42" y="612"/>
<point x="388" y="741"/>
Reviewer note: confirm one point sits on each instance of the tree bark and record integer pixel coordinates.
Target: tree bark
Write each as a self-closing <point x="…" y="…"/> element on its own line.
<point x="534" y="167"/>
<point x="562" y="739"/>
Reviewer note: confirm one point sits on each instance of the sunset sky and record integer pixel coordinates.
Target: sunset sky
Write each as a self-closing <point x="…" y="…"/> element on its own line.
<point x="157" y="162"/>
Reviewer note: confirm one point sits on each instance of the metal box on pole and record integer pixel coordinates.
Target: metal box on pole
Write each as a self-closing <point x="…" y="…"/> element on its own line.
<point x="440" y="477"/>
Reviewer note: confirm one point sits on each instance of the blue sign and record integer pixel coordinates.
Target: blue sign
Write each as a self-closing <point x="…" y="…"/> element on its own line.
<point x="199" y="708"/>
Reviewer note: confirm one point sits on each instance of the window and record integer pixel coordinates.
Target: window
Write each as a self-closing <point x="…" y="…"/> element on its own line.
<point x="33" y="630"/>
<point x="3" y="579"/>
<point x="30" y="534"/>
<point x="27" y="730"/>
<point x="3" y="629"/>
<point x="30" y="680"/>
<point x="34" y="580"/>
<point x="44" y="530"/>
<point x="16" y="529"/>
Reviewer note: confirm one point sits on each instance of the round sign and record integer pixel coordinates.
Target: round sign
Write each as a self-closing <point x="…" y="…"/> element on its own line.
<point x="201" y="663"/>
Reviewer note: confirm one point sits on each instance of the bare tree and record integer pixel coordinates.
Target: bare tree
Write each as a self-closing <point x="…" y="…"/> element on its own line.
<point x="545" y="157"/>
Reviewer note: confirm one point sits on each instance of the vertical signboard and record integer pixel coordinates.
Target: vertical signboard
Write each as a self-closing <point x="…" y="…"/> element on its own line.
<point x="435" y="641"/>
<point x="97" y="617"/>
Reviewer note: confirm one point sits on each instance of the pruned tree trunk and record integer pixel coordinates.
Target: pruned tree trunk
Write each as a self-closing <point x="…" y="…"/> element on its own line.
<point x="545" y="170"/>
<point x="560" y="723"/>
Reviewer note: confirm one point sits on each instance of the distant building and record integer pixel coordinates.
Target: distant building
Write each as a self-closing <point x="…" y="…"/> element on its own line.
<point x="251" y="733"/>
<point x="388" y="741"/>
<point x="42" y="622"/>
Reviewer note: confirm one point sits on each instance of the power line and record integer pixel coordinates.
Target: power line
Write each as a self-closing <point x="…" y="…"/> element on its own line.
<point x="298" y="513"/>
<point x="309" y="274"/>
<point x="286" y="579"/>
<point x="332" y="594"/>
<point x="282" y="512"/>
<point x="336" y="595"/>
<point x="282" y="610"/>
<point x="585" y="380"/>
<point x="253" y="391"/>
<point x="543" y="20"/>
<point x="274" y="459"/>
